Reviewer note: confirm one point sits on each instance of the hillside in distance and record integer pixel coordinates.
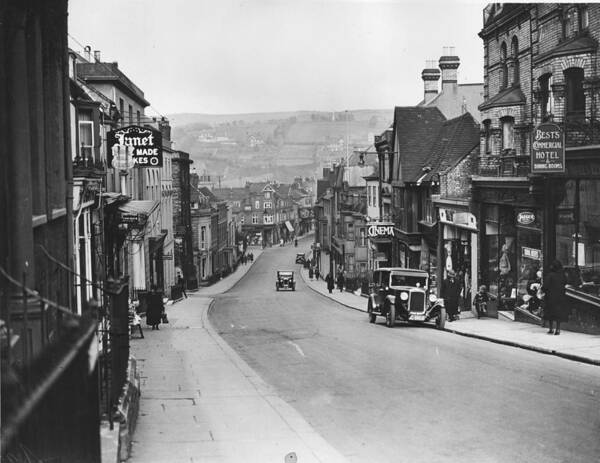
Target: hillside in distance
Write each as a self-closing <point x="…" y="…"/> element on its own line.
<point x="249" y="147"/>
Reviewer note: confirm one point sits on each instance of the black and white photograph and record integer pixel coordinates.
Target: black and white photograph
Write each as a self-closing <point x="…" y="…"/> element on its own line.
<point x="299" y="231"/>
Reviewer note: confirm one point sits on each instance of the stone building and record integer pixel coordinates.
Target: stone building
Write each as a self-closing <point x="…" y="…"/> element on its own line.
<point x="541" y="66"/>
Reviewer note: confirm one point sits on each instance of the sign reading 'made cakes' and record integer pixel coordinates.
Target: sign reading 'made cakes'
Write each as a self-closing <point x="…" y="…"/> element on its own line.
<point x="142" y="146"/>
<point x="547" y="149"/>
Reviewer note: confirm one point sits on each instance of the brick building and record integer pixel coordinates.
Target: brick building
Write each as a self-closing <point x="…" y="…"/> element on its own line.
<point x="182" y="218"/>
<point x="540" y="66"/>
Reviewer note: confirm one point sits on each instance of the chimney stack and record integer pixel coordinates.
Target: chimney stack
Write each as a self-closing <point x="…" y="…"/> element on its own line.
<point x="87" y="53"/>
<point x="97" y="56"/>
<point x="449" y="63"/>
<point x="430" y="76"/>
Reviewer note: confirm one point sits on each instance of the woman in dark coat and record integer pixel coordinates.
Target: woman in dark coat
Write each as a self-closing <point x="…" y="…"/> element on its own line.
<point x="329" y="280"/>
<point x="555" y="303"/>
<point x="155" y="309"/>
<point x="451" y="294"/>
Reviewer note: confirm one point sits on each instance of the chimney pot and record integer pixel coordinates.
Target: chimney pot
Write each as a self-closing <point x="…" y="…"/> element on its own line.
<point x="449" y="64"/>
<point x="430" y="75"/>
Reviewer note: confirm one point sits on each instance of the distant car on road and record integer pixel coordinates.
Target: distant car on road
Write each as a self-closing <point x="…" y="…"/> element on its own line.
<point x="403" y="294"/>
<point x="300" y="259"/>
<point x="285" y="280"/>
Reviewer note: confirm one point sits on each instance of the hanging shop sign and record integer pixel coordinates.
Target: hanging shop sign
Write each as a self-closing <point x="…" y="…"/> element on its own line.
<point x="525" y="218"/>
<point x="381" y="230"/>
<point x="565" y="216"/>
<point x="134" y="219"/>
<point x="548" y="149"/>
<point x="134" y="146"/>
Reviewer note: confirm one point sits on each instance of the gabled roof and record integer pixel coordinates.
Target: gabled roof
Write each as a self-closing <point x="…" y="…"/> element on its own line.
<point x="204" y="191"/>
<point x="258" y="187"/>
<point x="512" y="96"/>
<point x="455" y="140"/>
<point x="416" y="129"/>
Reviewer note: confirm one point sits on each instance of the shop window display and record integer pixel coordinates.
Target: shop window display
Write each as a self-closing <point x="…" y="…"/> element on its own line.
<point x="457" y="259"/>
<point x="578" y="235"/>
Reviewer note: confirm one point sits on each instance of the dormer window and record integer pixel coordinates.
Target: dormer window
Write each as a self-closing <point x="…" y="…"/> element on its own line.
<point x="267" y="195"/>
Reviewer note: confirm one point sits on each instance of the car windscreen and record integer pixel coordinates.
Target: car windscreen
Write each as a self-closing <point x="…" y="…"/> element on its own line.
<point x="285" y="274"/>
<point x="408" y="280"/>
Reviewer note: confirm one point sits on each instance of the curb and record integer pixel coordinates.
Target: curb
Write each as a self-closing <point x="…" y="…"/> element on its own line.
<point x="327" y="296"/>
<point x="542" y="350"/>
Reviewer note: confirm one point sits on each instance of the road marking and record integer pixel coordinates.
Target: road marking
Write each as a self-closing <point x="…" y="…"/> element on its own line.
<point x="297" y="347"/>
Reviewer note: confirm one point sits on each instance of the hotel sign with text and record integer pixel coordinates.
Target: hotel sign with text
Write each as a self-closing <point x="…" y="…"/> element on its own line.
<point x="547" y="149"/>
<point x="134" y="146"/>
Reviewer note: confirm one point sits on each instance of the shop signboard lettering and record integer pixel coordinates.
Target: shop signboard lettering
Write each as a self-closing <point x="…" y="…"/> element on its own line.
<point x="547" y="149"/>
<point x="134" y="146"/>
<point x="381" y="230"/>
<point x="132" y="218"/>
<point x="525" y="218"/>
<point x="531" y="253"/>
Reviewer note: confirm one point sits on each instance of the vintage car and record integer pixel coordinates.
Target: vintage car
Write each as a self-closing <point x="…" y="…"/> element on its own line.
<point x="300" y="259"/>
<point x="285" y="280"/>
<point x="403" y="294"/>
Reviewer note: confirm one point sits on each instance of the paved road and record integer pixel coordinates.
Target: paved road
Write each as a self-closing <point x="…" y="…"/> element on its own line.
<point x="408" y="394"/>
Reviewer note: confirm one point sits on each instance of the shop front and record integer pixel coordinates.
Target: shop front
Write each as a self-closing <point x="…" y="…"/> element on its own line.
<point x="511" y="223"/>
<point x="574" y="217"/>
<point x="457" y="247"/>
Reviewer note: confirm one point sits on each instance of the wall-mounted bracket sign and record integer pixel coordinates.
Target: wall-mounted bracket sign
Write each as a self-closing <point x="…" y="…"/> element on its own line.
<point x="547" y="149"/>
<point x="381" y="230"/>
<point x="134" y="146"/>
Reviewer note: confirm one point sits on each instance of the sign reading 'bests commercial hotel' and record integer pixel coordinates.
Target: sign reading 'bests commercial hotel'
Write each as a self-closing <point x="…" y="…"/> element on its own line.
<point x="547" y="149"/>
<point x="134" y="146"/>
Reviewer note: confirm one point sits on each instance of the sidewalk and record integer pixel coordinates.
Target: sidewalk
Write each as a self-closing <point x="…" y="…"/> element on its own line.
<point x="570" y="345"/>
<point x="200" y="402"/>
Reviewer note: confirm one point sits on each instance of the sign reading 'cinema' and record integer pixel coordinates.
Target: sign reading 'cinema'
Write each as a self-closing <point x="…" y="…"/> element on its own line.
<point x="381" y="230"/>
<point x="134" y="146"/>
<point x="547" y="149"/>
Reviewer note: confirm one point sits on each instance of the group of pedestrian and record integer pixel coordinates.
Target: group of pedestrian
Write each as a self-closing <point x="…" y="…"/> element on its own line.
<point x="546" y="299"/>
<point x="313" y="272"/>
<point x="331" y="281"/>
<point x="247" y="257"/>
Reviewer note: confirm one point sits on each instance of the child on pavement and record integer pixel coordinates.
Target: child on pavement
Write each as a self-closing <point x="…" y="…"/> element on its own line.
<point x="481" y="301"/>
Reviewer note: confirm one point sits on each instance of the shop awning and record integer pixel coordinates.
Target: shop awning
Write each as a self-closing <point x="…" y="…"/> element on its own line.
<point x="139" y="206"/>
<point x="289" y="226"/>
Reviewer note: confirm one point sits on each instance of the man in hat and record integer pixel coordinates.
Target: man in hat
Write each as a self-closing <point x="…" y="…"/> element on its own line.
<point x="451" y="294"/>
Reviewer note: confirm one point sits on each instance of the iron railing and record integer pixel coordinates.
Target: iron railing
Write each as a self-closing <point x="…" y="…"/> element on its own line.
<point x="50" y="403"/>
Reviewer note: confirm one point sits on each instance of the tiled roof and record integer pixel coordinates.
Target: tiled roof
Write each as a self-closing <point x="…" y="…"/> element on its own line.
<point x="257" y="187"/>
<point x="455" y="140"/>
<point x="231" y="194"/>
<point x="416" y="129"/>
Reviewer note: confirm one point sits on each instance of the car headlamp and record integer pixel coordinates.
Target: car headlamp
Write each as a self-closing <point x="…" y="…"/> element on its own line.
<point x="432" y="298"/>
<point x="404" y="296"/>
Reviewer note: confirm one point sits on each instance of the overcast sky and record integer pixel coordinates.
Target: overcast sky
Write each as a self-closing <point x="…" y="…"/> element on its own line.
<point x="224" y="56"/>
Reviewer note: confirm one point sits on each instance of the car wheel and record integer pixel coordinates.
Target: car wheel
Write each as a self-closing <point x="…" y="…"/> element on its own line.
<point x="372" y="316"/>
<point x="277" y="287"/>
<point x="390" y="315"/>
<point x="440" y="320"/>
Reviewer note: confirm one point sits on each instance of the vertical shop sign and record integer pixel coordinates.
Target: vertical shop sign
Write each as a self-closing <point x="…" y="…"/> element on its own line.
<point x="548" y="149"/>
<point x="134" y="146"/>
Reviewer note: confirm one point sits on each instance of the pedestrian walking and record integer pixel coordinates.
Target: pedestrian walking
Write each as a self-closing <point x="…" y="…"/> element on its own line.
<point x="329" y="281"/>
<point x="317" y="273"/>
<point x="181" y="283"/>
<point x="310" y="273"/>
<point x="155" y="308"/>
<point x="340" y="281"/>
<point x="553" y="289"/>
<point x="451" y="294"/>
